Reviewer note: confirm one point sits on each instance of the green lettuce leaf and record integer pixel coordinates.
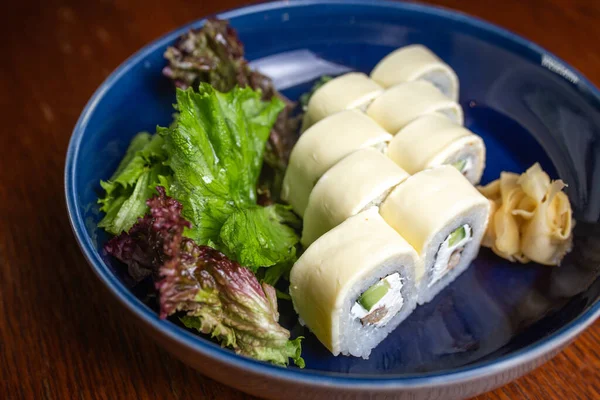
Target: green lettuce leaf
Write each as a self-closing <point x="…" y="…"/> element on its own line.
<point x="216" y="151"/>
<point x="126" y="192"/>
<point x="214" y="54"/>
<point x="124" y="210"/>
<point x="127" y="173"/>
<point x="258" y="236"/>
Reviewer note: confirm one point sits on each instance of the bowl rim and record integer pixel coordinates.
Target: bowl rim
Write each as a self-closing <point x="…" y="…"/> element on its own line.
<point x="477" y="370"/>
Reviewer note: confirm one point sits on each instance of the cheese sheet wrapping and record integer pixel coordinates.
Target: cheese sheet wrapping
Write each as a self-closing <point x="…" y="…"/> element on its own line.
<point x="322" y="146"/>
<point x="359" y="181"/>
<point x="433" y="140"/>
<point x="444" y="218"/>
<point x="353" y="90"/>
<point x="355" y="284"/>
<point x="416" y="62"/>
<point x="403" y="103"/>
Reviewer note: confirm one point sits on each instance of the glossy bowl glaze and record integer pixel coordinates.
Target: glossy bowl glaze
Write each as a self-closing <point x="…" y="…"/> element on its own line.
<point x="498" y="320"/>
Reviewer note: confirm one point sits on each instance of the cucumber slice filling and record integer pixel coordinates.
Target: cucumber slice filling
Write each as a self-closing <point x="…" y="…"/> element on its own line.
<point x="380" y="302"/>
<point x="457" y="235"/>
<point x="460" y="165"/>
<point x="372" y="295"/>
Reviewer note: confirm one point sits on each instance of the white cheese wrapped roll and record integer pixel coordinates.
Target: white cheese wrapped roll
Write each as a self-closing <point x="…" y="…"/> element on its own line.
<point x="434" y="140"/>
<point x="353" y="90"/>
<point x="355" y="284"/>
<point x="444" y="218"/>
<point x="359" y="181"/>
<point x="403" y="103"/>
<point x="416" y="62"/>
<point x="323" y="145"/>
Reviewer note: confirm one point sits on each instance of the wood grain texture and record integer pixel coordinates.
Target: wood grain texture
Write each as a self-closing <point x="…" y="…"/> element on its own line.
<point x="61" y="334"/>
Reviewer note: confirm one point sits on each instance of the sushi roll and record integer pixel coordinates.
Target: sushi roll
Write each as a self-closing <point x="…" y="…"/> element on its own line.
<point x="355" y="284"/>
<point x="323" y="145"/>
<point x="416" y="62"/>
<point x="444" y="218"/>
<point x="403" y="103"/>
<point x="359" y="181"/>
<point x="434" y="140"/>
<point x="353" y="90"/>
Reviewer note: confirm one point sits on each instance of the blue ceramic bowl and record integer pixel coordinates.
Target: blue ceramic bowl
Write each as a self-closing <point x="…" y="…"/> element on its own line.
<point x="498" y="320"/>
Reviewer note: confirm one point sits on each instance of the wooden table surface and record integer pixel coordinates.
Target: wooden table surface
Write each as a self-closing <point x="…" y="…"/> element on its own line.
<point x="61" y="334"/>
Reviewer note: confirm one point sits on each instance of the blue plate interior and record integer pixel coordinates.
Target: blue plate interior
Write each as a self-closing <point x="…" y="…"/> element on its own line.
<point x="515" y="96"/>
